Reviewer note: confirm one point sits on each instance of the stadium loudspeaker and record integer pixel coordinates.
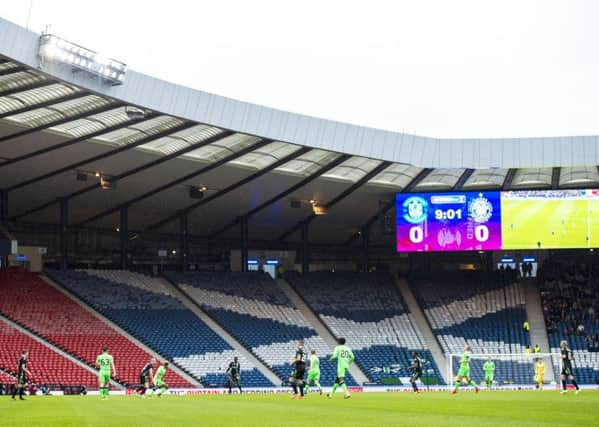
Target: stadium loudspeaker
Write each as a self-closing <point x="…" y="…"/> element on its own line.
<point x="295" y="204"/>
<point x="196" y="193"/>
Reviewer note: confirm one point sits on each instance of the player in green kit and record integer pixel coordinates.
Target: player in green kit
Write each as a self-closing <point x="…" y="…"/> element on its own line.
<point x="344" y="357"/>
<point x="106" y="365"/>
<point x="313" y="373"/>
<point x="489" y="368"/>
<point x="159" y="380"/>
<point x="464" y="371"/>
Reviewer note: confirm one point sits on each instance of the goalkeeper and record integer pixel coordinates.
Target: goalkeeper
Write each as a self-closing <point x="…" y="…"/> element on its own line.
<point x="540" y="374"/>
<point x="489" y="368"/>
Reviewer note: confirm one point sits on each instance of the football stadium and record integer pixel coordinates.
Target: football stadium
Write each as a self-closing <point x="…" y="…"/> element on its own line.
<point x="171" y="257"/>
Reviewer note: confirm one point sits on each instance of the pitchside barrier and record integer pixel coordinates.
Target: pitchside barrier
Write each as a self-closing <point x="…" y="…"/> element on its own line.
<point x="286" y="390"/>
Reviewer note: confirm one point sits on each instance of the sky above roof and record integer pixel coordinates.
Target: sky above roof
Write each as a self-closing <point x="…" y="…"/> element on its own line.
<point x="435" y="68"/>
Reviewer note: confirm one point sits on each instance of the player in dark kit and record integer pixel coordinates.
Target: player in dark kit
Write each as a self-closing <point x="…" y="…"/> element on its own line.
<point x="416" y="369"/>
<point x="567" y="357"/>
<point x="234" y="371"/>
<point x="22" y="371"/>
<point x="299" y="369"/>
<point x="145" y="375"/>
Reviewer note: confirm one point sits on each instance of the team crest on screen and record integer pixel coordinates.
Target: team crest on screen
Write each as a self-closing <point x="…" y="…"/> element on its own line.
<point x="480" y="209"/>
<point x="415" y="210"/>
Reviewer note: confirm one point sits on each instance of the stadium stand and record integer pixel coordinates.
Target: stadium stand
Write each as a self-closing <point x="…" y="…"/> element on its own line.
<point x="7" y="379"/>
<point x="252" y="308"/>
<point x="368" y="310"/>
<point x="570" y="296"/>
<point x="484" y="310"/>
<point x="144" y="306"/>
<point x="46" y="365"/>
<point x="30" y="301"/>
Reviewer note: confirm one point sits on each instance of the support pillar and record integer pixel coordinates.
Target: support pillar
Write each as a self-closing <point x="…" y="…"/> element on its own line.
<point x="64" y="233"/>
<point x="366" y="248"/>
<point x="183" y="242"/>
<point x="243" y="222"/>
<point x="305" y="247"/>
<point x="4" y="220"/>
<point x="124" y="236"/>
<point x="3" y="207"/>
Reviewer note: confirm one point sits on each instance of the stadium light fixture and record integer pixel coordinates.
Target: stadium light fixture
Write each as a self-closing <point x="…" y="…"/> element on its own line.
<point x="319" y="210"/>
<point x="134" y="113"/>
<point x="56" y="49"/>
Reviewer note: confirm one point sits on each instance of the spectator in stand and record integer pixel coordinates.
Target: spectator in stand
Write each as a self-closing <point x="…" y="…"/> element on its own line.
<point x="569" y="291"/>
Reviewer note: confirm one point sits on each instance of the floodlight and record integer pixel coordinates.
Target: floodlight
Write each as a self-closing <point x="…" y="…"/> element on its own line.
<point x="55" y="49"/>
<point x="134" y="113"/>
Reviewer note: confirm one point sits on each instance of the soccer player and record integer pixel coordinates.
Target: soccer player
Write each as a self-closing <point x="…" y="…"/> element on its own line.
<point x="416" y="369"/>
<point x="22" y="373"/>
<point x="234" y="371"/>
<point x="567" y="357"/>
<point x="146" y="374"/>
<point x="299" y="369"/>
<point x="106" y="365"/>
<point x="159" y="380"/>
<point x="313" y="373"/>
<point x="464" y="371"/>
<point x="344" y="357"/>
<point x="489" y="368"/>
<point x="540" y="373"/>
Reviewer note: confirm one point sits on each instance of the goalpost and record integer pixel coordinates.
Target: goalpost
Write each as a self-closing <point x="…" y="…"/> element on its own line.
<point x="510" y="368"/>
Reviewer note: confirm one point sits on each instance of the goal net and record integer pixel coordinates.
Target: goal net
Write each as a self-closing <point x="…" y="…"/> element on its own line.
<point x="511" y="369"/>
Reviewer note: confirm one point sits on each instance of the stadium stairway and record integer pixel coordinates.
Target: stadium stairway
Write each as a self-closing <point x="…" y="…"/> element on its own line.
<point x="237" y="346"/>
<point x="118" y="329"/>
<point x="318" y="325"/>
<point x="254" y="310"/>
<point x="7" y="378"/>
<point x="417" y="316"/>
<point x="536" y="320"/>
<point x="484" y="310"/>
<point x="37" y="345"/>
<point x="369" y="311"/>
<point x="147" y="308"/>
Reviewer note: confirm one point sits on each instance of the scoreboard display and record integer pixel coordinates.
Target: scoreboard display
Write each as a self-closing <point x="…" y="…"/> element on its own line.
<point x="494" y="220"/>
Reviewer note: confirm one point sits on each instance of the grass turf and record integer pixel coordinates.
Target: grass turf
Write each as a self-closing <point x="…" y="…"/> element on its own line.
<point x="555" y="223"/>
<point x="498" y="408"/>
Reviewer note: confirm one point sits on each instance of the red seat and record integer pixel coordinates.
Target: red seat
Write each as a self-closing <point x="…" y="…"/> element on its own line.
<point x="30" y="301"/>
<point x="46" y="365"/>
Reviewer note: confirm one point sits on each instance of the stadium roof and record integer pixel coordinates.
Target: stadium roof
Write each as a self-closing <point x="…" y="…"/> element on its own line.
<point x="63" y="132"/>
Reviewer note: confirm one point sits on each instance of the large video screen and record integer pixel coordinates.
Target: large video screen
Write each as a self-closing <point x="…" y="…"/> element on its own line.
<point x="494" y="220"/>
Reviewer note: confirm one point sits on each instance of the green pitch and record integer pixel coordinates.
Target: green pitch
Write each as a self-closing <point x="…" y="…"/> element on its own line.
<point x="495" y="408"/>
<point x="554" y="223"/>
